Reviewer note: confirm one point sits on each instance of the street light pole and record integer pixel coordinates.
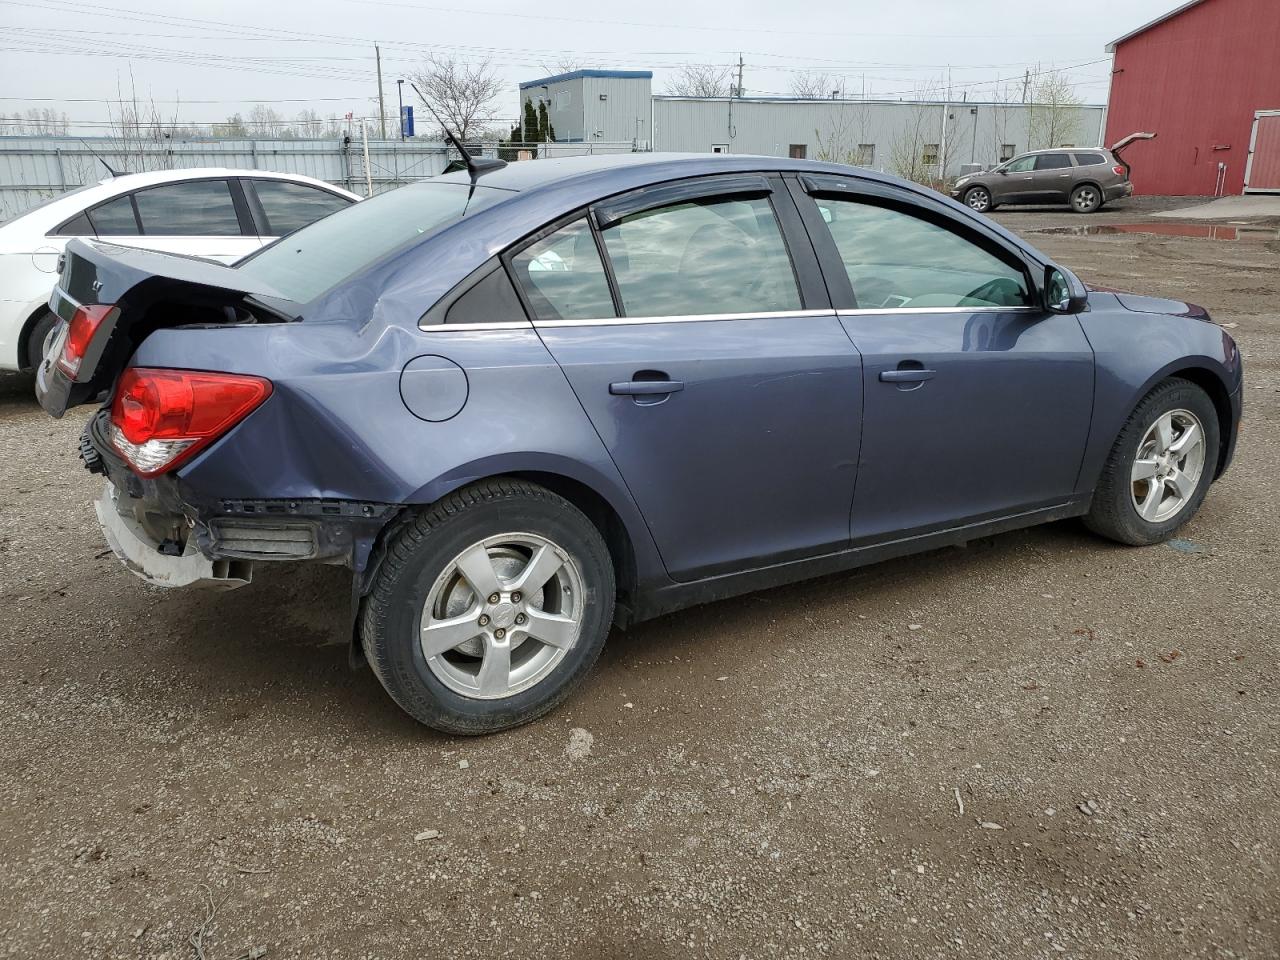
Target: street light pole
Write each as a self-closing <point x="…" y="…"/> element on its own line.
<point x="400" y="97"/>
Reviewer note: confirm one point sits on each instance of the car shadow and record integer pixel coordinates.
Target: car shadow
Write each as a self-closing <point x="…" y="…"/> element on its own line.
<point x="281" y="644"/>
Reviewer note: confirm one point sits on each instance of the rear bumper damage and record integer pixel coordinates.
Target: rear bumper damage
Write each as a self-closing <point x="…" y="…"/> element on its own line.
<point x="173" y="536"/>
<point x="143" y="554"/>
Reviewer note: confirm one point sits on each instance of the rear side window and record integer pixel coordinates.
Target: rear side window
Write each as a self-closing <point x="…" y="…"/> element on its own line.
<point x="1052" y="161"/>
<point x="291" y="206"/>
<point x="724" y="255"/>
<point x="1089" y="159"/>
<point x="195" y="208"/>
<point x="491" y="300"/>
<point x="896" y="260"/>
<point x="563" y="276"/>
<point x="115" y="218"/>
<point x="77" y="226"/>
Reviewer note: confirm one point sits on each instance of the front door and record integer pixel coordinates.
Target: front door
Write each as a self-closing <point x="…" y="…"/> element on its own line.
<point x="1052" y="180"/>
<point x="725" y="390"/>
<point x="978" y="401"/>
<point x="1014" y="184"/>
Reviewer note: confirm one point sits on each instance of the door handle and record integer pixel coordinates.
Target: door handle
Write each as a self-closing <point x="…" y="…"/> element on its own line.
<point x="907" y="376"/>
<point x="645" y="388"/>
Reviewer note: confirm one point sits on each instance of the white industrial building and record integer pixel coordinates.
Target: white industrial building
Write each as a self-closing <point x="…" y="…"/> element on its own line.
<point x="617" y="108"/>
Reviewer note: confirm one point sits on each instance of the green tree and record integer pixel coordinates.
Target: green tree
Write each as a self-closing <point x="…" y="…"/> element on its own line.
<point x="544" y="124"/>
<point x="530" y="131"/>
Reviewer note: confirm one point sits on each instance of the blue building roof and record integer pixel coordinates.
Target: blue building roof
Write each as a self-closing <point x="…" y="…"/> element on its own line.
<point x="598" y="74"/>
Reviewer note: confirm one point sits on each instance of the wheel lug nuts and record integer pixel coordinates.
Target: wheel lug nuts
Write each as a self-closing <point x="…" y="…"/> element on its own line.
<point x="494" y="598"/>
<point x="499" y="633"/>
<point x="484" y="619"/>
<point x="521" y="618"/>
<point x="515" y="597"/>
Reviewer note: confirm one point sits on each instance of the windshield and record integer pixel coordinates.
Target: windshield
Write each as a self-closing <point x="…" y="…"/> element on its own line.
<point x="309" y="261"/>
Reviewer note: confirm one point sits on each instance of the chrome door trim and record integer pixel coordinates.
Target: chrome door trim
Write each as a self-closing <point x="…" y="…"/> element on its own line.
<point x="495" y="325"/>
<point x="691" y="318"/>
<point x="867" y="311"/>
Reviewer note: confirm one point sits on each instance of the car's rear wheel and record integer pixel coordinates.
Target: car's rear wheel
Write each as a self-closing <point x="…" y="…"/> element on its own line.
<point x="489" y="607"/>
<point x="36" y="337"/>
<point x="1086" y="198"/>
<point x="978" y="198"/>
<point x="1160" y="468"/>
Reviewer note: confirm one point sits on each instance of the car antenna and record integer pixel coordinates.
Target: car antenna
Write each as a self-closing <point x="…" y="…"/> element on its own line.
<point x="475" y="165"/>
<point x="114" y="173"/>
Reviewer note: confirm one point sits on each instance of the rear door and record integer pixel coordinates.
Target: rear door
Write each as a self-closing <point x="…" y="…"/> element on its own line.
<point x="1052" y="179"/>
<point x="284" y="206"/>
<point x="195" y="218"/>
<point x="977" y="401"/>
<point x="706" y="353"/>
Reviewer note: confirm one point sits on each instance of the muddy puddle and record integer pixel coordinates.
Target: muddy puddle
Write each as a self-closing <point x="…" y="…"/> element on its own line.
<point x="1200" y="231"/>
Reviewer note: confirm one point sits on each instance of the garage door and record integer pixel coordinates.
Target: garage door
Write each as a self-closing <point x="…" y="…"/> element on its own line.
<point x="1262" y="172"/>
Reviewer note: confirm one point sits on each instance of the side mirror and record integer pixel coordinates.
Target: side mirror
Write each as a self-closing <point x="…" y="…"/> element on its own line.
<point x="1003" y="171"/>
<point x="1063" y="291"/>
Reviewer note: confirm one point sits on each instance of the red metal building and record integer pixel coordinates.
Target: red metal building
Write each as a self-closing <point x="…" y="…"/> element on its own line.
<point x="1205" y="78"/>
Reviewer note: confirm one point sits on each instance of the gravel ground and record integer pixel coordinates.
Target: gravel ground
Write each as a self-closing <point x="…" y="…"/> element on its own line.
<point x="780" y="775"/>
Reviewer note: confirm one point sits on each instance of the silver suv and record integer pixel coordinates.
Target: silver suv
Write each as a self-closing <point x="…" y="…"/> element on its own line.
<point x="1083" y="178"/>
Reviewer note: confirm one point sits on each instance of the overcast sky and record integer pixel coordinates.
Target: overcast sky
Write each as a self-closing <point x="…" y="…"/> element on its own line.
<point x="210" y="59"/>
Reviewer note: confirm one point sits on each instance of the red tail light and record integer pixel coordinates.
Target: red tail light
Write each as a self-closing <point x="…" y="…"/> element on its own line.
<point x="84" y="324"/>
<point x="1119" y="171"/>
<point x="161" y="418"/>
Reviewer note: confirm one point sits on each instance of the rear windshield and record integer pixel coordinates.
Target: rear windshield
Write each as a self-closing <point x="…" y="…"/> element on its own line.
<point x="309" y="261"/>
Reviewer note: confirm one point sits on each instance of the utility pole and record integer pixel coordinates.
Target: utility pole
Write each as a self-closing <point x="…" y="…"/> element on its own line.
<point x="400" y="98"/>
<point x="739" y="74"/>
<point x="382" y="112"/>
<point x="1026" y="82"/>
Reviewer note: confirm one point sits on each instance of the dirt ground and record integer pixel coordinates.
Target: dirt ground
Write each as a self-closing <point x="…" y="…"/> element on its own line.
<point x="775" y="776"/>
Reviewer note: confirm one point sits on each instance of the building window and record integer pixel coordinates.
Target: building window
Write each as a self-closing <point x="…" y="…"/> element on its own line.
<point x="930" y="157"/>
<point x="798" y="151"/>
<point x="1007" y="150"/>
<point x="719" y="148"/>
<point x="866" y="155"/>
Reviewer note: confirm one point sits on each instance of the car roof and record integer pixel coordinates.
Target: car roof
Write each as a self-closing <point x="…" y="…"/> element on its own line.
<point x="532" y="174"/>
<point x="1027" y="153"/>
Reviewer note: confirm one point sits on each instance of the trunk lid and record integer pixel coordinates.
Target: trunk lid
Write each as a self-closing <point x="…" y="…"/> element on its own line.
<point x="1118" y="147"/>
<point x="145" y="291"/>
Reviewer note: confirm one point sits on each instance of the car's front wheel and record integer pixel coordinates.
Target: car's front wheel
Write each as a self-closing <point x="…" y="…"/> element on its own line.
<point x="1160" y="468"/>
<point x="978" y="198"/>
<point x="1086" y="198"/>
<point x="489" y="607"/>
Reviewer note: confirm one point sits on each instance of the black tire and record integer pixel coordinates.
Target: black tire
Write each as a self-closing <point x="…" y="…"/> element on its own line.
<point x="1086" y="198"/>
<point x="419" y="554"/>
<point x="36" y="336"/>
<point x="972" y="193"/>
<point x="1113" y="513"/>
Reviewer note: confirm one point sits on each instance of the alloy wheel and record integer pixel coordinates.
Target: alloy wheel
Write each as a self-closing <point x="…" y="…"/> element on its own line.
<point x="1167" y="469"/>
<point x="502" y="615"/>
<point x="1086" y="199"/>
<point x="978" y="199"/>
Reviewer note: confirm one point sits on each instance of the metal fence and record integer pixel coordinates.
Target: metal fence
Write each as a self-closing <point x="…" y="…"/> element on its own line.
<point x="34" y="169"/>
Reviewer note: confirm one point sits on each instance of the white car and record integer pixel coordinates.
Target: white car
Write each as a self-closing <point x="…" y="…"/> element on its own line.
<point x="214" y="213"/>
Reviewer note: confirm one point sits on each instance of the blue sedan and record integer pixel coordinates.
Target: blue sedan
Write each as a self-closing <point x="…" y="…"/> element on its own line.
<point x="525" y="402"/>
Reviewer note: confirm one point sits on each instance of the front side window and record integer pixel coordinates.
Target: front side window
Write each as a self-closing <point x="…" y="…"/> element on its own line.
<point x="1052" y="161"/>
<point x="291" y="206"/>
<point x="196" y="208"/>
<point x="895" y="259"/>
<point x="563" y="277"/>
<point x="115" y="218"/>
<point x="723" y="255"/>
<point x="1022" y="165"/>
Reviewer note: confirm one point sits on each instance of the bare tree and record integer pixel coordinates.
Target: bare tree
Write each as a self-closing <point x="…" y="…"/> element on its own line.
<point x="553" y="68"/>
<point x="846" y="140"/>
<point x="264" y="121"/>
<point x="1055" y="111"/>
<point x="915" y="153"/>
<point x="816" y="86"/>
<point x="462" y="94"/>
<point x="1003" y="100"/>
<point x="700" y="80"/>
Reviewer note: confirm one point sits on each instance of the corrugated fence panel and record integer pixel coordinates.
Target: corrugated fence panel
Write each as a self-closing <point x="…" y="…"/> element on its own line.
<point x="34" y="169"/>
